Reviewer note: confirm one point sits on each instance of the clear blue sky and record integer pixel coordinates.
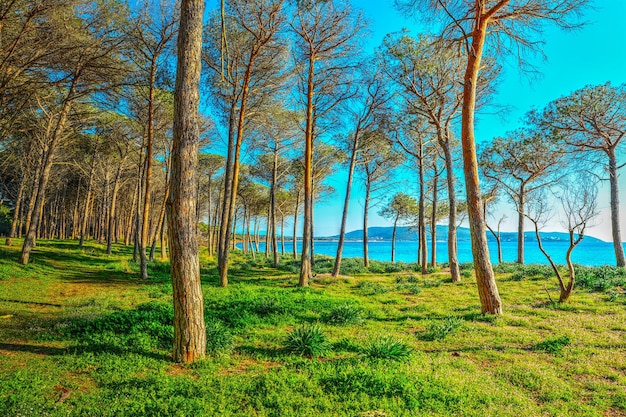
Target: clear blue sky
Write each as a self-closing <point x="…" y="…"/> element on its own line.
<point x="594" y="54"/>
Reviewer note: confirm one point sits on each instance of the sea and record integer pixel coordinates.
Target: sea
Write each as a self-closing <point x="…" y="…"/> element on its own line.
<point x="589" y="253"/>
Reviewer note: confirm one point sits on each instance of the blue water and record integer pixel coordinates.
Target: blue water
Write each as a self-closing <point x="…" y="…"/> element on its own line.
<point x="591" y="253"/>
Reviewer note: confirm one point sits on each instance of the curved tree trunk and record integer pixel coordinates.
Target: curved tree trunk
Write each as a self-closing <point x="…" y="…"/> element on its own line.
<point x="189" y="327"/>
<point x="485" y="279"/>
<point x="617" y="235"/>
<point x="423" y="248"/>
<point x="433" y="223"/>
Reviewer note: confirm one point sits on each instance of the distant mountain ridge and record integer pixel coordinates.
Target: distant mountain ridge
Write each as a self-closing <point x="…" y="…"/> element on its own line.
<point x="404" y="233"/>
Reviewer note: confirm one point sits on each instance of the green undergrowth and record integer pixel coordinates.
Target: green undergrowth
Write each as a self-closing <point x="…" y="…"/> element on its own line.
<point x="82" y="335"/>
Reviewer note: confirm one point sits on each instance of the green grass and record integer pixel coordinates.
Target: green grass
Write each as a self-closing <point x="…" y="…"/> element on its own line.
<point x="388" y="342"/>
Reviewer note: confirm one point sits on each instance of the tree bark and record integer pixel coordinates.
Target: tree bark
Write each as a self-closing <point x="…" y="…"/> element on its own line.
<point x="346" y="202"/>
<point x="616" y="232"/>
<point x="273" y="207"/>
<point x="305" y="267"/>
<point x="485" y="279"/>
<point x="189" y="327"/>
<point x="46" y="166"/>
<point x="453" y="259"/>
<point x="520" y="223"/>
<point x="366" y="260"/>
<point x="393" y="241"/>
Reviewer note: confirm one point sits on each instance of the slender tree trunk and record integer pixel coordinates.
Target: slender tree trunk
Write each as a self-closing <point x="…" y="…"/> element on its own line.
<point x="453" y="259"/>
<point x="520" y="223"/>
<point x="368" y="185"/>
<point x="222" y="242"/>
<point x="433" y="221"/>
<point x="615" y="229"/>
<point x="282" y="235"/>
<point x="113" y="206"/>
<point x="485" y="279"/>
<point x="306" y="271"/>
<point x="143" y="239"/>
<point x="46" y="166"/>
<point x="423" y="248"/>
<point x="393" y="240"/>
<point x="294" y="240"/>
<point x="189" y="327"/>
<point x="346" y="202"/>
<point x="273" y="207"/>
<point x="83" y="227"/>
<point x="16" y="210"/>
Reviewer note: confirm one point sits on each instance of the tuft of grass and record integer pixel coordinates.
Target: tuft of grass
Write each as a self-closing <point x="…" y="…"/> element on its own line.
<point x="307" y="340"/>
<point x="387" y="347"/>
<point x="440" y="329"/>
<point x="218" y="338"/>
<point x="553" y="345"/>
<point x="344" y="314"/>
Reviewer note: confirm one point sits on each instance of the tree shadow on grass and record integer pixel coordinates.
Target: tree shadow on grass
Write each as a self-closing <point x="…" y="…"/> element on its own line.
<point x="38" y="349"/>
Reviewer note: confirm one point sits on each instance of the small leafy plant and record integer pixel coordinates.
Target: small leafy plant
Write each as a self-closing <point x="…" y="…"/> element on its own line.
<point x="386" y="347"/>
<point x="307" y="340"/>
<point x="440" y="329"/>
<point x="344" y="314"/>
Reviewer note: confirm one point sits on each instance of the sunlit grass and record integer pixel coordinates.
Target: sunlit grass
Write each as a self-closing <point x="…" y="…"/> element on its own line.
<point x="82" y="321"/>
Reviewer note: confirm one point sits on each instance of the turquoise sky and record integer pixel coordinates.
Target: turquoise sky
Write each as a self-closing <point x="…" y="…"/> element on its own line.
<point x="593" y="54"/>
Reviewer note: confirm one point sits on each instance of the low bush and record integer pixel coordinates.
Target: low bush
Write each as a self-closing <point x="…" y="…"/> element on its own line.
<point x="386" y="347"/>
<point x="344" y="314"/>
<point x="440" y="329"/>
<point x="307" y="340"/>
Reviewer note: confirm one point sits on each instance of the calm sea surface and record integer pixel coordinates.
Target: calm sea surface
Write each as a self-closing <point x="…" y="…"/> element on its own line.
<point x="591" y="253"/>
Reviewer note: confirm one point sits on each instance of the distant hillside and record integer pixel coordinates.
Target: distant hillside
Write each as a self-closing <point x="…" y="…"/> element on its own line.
<point x="463" y="235"/>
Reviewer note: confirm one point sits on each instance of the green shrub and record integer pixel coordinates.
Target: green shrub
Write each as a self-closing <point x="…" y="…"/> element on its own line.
<point x="440" y="329"/>
<point x="410" y="288"/>
<point x="553" y="345"/>
<point x="218" y="337"/>
<point x="147" y="328"/>
<point x="307" y="340"/>
<point x="352" y="266"/>
<point x="386" y="347"/>
<point x="432" y="283"/>
<point x="601" y="278"/>
<point x="371" y="288"/>
<point x="344" y="314"/>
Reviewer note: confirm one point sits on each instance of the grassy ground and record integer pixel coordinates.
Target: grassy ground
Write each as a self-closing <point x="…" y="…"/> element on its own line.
<point x="81" y="335"/>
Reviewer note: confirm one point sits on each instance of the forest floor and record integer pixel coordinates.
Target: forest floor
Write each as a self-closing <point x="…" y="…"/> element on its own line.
<point x="82" y="335"/>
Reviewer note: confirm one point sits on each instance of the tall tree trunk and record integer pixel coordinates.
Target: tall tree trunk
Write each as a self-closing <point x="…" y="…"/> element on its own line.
<point x="433" y="220"/>
<point x="294" y="240"/>
<point x="46" y="166"/>
<point x="520" y="223"/>
<point x="423" y="248"/>
<point x="615" y="229"/>
<point x="189" y="327"/>
<point x="92" y="168"/>
<point x="143" y="237"/>
<point x="273" y="207"/>
<point x="366" y="206"/>
<point x="346" y="201"/>
<point x="231" y="199"/>
<point x="113" y="206"/>
<point x="485" y="279"/>
<point x="16" y="211"/>
<point x="222" y="242"/>
<point x="393" y="240"/>
<point x="306" y="271"/>
<point x="453" y="259"/>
